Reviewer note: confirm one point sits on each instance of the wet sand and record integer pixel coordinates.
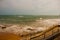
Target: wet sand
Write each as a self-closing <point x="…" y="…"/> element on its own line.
<point x="8" y="36"/>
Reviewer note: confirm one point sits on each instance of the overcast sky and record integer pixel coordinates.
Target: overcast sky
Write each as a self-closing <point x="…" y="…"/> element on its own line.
<point x="29" y="7"/>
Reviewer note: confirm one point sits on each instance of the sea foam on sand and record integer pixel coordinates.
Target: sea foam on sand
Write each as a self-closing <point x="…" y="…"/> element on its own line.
<point x="16" y="29"/>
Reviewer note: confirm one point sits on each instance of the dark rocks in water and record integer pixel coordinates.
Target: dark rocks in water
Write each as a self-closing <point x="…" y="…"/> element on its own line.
<point x="58" y="25"/>
<point x="3" y="27"/>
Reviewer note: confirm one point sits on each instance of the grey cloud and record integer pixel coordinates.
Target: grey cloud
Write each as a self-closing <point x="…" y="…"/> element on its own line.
<point x="39" y="7"/>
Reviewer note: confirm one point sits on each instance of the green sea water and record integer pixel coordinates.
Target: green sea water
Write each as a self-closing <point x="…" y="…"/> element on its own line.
<point x="23" y="18"/>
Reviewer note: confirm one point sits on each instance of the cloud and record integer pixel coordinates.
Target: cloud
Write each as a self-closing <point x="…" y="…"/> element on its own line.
<point x="46" y="4"/>
<point x="17" y="4"/>
<point x="38" y="6"/>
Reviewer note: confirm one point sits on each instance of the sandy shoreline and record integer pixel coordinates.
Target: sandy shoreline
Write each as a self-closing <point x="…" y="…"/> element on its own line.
<point x="39" y="26"/>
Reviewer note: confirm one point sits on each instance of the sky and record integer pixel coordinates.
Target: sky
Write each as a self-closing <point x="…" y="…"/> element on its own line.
<point x="29" y="7"/>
